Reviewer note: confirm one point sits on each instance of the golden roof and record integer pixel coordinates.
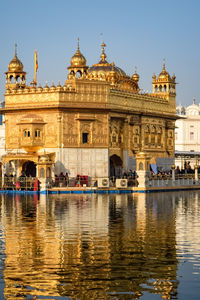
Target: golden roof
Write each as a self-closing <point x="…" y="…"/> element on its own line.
<point x="15" y="65"/>
<point x="103" y="68"/>
<point x="113" y="74"/>
<point x="78" y="60"/>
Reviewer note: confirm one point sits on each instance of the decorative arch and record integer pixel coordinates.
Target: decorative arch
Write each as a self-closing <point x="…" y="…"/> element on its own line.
<point x="116" y="165"/>
<point x="78" y="74"/>
<point x="29" y="168"/>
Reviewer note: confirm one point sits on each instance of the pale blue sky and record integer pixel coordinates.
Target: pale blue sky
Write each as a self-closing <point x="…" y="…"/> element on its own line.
<point x="137" y="33"/>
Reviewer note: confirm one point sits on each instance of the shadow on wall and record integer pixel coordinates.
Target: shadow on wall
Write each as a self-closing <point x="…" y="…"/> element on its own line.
<point x="59" y="167"/>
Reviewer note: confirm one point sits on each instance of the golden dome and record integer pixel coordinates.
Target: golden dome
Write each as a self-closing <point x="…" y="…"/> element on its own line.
<point x="135" y="76"/>
<point x="103" y="68"/>
<point x="15" y="65"/>
<point x="164" y="73"/>
<point x="78" y="60"/>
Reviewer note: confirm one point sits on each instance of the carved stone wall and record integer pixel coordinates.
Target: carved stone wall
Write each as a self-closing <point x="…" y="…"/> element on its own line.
<point x="116" y="133"/>
<point x="13" y="132"/>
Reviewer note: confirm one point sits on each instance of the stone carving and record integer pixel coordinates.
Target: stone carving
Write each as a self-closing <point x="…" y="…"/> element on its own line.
<point x="116" y="133"/>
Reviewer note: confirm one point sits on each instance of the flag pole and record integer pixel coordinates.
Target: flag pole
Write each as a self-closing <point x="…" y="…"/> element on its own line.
<point x="36" y="67"/>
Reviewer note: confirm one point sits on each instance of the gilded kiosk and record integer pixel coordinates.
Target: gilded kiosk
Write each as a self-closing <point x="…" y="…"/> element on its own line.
<point x="95" y="124"/>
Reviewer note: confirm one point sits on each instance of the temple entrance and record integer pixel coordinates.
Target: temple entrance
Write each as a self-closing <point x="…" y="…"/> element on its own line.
<point x="29" y="168"/>
<point x="115" y="166"/>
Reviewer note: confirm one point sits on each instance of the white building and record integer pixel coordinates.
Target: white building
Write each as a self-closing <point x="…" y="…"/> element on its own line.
<point x="187" y="135"/>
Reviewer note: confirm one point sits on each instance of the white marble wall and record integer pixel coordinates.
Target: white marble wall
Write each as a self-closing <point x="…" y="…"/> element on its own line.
<point x="187" y="130"/>
<point x="91" y="162"/>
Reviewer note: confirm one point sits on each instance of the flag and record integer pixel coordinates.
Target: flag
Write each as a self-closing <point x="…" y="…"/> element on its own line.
<point x="36" y="61"/>
<point x="36" y="66"/>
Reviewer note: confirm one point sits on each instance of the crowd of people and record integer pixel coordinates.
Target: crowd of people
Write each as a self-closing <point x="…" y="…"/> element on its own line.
<point x="61" y="179"/>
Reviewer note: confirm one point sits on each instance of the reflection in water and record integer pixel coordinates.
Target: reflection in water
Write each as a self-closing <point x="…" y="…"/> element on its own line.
<point x="94" y="246"/>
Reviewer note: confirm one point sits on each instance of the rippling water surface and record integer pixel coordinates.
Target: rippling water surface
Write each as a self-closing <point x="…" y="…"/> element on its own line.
<point x="100" y="246"/>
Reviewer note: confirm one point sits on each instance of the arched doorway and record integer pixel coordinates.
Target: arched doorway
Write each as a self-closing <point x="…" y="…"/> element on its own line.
<point x="29" y="168"/>
<point x="115" y="166"/>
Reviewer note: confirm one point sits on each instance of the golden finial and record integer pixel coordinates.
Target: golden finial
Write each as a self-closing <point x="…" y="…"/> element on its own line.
<point x="78" y="43"/>
<point x="78" y="50"/>
<point x="163" y="64"/>
<point x="103" y="55"/>
<point x="135" y="69"/>
<point x="15" y="49"/>
<point x="113" y="64"/>
<point x="193" y="100"/>
<point x="135" y="76"/>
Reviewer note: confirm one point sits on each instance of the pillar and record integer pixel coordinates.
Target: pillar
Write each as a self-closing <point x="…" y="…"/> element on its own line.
<point x="196" y="173"/>
<point x="173" y="172"/>
<point x="42" y="169"/>
<point x="143" y="169"/>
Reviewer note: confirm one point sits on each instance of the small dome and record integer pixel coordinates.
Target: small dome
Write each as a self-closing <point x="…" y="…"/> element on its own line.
<point x="78" y="60"/>
<point x="15" y="65"/>
<point x="180" y="110"/>
<point x="154" y="76"/>
<point x="164" y="73"/>
<point x="135" y="76"/>
<point x="193" y="109"/>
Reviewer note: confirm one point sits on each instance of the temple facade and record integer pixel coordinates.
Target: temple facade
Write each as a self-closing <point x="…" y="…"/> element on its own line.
<point x="95" y="124"/>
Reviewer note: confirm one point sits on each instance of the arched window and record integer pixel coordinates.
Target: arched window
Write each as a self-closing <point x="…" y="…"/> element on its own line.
<point x="17" y="79"/>
<point x="11" y="79"/>
<point x="160" y="88"/>
<point x="42" y="173"/>
<point x="27" y="133"/>
<point x="78" y="74"/>
<point x="48" y="172"/>
<point x="37" y="133"/>
<point x="156" y="88"/>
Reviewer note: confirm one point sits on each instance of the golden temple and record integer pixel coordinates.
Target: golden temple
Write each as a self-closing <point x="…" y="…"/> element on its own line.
<point x="95" y="124"/>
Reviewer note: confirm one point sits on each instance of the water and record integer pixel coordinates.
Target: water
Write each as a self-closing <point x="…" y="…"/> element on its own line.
<point x="100" y="246"/>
